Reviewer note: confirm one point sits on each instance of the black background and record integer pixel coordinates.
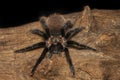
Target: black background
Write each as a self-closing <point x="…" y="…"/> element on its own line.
<point x="14" y="13"/>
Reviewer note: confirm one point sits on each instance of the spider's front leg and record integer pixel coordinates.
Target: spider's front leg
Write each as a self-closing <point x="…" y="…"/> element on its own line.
<point x="79" y="46"/>
<point x="51" y="49"/>
<point x="30" y="48"/>
<point x="60" y="49"/>
<point x="55" y="49"/>
<point x="42" y="56"/>
<point x="69" y="61"/>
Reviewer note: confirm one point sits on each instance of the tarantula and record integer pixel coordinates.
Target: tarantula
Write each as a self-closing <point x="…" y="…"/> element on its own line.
<point x="57" y="36"/>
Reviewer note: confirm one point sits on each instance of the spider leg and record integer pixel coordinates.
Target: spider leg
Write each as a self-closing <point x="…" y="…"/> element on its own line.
<point x="73" y="32"/>
<point x="30" y="48"/>
<point x="55" y="49"/>
<point x="42" y="56"/>
<point x="49" y="55"/>
<point x="67" y="25"/>
<point x="51" y="48"/>
<point x="76" y="45"/>
<point x="42" y="20"/>
<point x="69" y="61"/>
<point x="39" y="33"/>
<point x="60" y="49"/>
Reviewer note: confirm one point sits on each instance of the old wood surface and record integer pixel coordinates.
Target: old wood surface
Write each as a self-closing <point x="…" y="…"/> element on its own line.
<point x="102" y="31"/>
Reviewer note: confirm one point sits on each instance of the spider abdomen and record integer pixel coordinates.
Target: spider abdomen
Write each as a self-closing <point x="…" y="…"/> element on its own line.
<point x="55" y="22"/>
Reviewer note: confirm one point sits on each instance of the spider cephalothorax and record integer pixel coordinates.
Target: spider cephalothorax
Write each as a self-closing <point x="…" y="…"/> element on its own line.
<point x="57" y="38"/>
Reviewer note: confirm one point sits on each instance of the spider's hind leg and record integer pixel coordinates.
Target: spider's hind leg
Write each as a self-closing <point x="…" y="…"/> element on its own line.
<point x="39" y="33"/>
<point x="42" y="20"/>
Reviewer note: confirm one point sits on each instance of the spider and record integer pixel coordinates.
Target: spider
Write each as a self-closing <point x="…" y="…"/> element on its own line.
<point x="57" y="35"/>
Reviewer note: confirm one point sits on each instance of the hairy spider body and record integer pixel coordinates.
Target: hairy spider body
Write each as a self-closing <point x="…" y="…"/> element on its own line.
<point x="57" y="37"/>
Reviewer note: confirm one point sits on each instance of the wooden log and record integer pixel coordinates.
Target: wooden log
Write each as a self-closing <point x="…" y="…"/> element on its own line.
<point x="102" y="31"/>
